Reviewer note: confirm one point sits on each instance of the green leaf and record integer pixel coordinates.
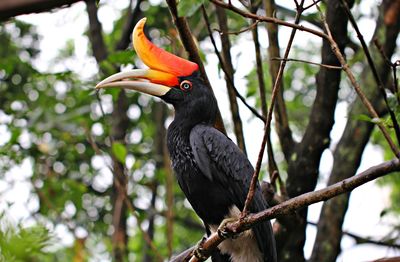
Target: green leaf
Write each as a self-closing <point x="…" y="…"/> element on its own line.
<point x="188" y="7"/>
<point x="119" y="151"/>
<point x="362" y="117"/>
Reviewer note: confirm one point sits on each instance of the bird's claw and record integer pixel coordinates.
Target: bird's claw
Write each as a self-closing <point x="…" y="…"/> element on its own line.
<point x="199" y="250"/>
<point x="222" y="229"/>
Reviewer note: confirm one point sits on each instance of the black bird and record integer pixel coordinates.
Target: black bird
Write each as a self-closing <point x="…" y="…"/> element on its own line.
<point x="211" y="170"/>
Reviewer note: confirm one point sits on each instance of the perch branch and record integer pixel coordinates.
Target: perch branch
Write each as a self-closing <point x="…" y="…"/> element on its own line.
<point x="302" y="201"/>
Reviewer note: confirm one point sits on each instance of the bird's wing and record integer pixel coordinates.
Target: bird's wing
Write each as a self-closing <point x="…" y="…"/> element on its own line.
<point x="221" y="161"/>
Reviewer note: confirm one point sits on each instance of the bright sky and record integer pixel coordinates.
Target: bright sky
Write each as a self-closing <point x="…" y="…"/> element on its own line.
<point x="58" y="27"/>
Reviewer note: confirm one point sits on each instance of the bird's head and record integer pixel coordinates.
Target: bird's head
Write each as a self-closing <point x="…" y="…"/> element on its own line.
<point x="175" y="80"/>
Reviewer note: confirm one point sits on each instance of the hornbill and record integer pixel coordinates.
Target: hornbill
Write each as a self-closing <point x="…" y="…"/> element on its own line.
<point x="211" y="170"/>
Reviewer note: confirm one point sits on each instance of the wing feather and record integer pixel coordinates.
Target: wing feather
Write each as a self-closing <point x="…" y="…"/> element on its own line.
<point x="221" y="161"/>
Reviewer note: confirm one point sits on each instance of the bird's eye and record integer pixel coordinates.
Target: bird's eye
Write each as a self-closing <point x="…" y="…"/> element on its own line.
<point x="186" y="85"/>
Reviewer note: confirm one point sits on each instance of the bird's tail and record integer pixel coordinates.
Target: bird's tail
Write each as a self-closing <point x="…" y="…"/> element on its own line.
<point x="263" y="231"/>
<point x="266" y="241"/>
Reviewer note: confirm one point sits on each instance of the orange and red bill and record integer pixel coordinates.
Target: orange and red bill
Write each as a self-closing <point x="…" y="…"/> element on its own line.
<point x="163" y="72"/>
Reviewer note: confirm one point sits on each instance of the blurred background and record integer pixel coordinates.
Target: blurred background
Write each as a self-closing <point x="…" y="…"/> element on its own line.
<point x="63" y="179"/>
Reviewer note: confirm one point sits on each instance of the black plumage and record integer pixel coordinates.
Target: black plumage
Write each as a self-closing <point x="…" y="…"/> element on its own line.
<point x="211" y="170"/>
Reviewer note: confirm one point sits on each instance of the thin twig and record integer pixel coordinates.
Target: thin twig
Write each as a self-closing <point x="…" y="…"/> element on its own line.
<point x="221" y="61"/>
<point x="272" y="166"/>
<point x="269" y="19"/>
<point x="302" y="201"/>
<point x="282" y="127"/>
<point x="393" y="66"/>
<point x="267" y="127"/>
<point x="307" y="62"/>
<point x="250" y="27"/>
<point x="371" y="63"/>
<point x="289" y="12"/>
<point x="357" y="87"/>
<point x="311" y="5"/>
<point x="244" y="3"/>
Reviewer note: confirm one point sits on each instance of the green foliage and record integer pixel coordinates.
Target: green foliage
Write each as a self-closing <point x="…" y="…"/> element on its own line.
<point x="121" y="57"/>
<point x="188" y="8"/>
<point x="19" y="244"/>
<point x="119" y="151"/>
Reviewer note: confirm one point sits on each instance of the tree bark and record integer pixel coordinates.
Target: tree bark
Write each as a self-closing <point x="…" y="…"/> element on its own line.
<point x="348" y="153"/>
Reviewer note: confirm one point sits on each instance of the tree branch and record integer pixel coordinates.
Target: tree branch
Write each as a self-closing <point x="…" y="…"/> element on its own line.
<point x="269" y="19"/>
<point x="122" y="191"/>
<point x="304" y="161"/>
<point x="302" y="201"/>
<point x="312" y="19"/>
<point x="99" y="48"/>
<point x="11" y="8"/>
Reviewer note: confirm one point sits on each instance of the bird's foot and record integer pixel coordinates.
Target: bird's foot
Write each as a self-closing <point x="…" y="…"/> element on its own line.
<point x="199" y="252"/>
<point x="222" y="229"/>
